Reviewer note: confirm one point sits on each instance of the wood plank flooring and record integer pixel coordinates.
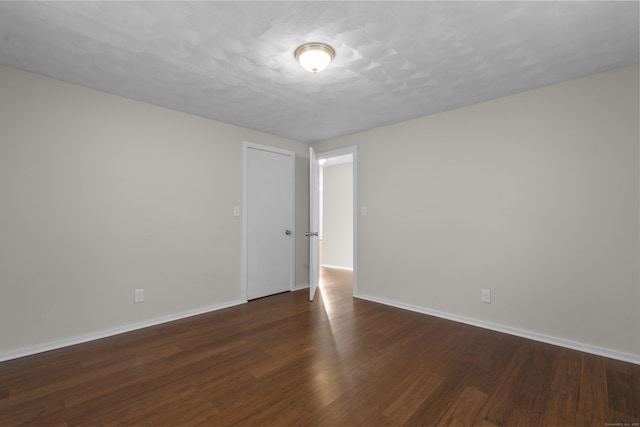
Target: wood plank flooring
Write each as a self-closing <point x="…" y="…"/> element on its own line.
<point x="338" y="361"/>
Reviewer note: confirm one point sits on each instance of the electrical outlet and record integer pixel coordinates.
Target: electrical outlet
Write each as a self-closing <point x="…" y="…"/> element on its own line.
<point x="138" y="296"/>
<point x="485" y="296"/>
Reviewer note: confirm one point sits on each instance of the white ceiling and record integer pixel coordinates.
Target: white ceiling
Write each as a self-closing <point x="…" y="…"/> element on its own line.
<point x="233" y="61"/>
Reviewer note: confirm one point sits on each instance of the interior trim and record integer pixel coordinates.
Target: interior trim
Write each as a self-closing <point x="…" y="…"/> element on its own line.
<point x="586" y="348"/>
<point x="54" y="345"/>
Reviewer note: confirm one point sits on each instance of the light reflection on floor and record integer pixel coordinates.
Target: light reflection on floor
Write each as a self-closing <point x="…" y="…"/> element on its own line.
<point x="334" y="298"/>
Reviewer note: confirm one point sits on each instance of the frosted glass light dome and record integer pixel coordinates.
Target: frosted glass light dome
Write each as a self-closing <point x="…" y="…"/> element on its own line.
<point x="315" y="57"/>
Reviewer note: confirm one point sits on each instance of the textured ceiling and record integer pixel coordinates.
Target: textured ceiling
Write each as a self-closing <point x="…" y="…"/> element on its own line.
<point x="233" y="61"/>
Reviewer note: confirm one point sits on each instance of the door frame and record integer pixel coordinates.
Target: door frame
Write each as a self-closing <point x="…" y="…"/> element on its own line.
<point x="353" y="150"/>
<point x="246" y="145"/>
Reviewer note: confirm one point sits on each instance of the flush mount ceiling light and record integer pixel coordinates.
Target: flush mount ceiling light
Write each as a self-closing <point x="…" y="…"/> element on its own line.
<point x="315" y="57"/>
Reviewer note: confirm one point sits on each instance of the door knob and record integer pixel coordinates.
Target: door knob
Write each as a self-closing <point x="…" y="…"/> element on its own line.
<point x="288" y="232"/>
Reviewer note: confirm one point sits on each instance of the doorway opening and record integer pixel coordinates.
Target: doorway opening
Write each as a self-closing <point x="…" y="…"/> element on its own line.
<point x="337" y="220"/>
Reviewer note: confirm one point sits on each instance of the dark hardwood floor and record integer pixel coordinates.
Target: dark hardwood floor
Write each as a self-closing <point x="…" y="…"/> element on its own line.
<point x="337" y="361"/>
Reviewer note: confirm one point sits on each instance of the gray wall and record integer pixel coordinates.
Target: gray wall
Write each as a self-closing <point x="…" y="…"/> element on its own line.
<point x="534" y="196"/>
<point x="337" y="238"/>
<point x="101" y="195"/>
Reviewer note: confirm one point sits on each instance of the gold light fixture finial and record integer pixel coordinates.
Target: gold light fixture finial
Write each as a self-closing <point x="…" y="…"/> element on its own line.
<point x="315" y="57"/>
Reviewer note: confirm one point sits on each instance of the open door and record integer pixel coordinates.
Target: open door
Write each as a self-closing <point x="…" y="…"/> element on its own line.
<point x="314" y="223"/>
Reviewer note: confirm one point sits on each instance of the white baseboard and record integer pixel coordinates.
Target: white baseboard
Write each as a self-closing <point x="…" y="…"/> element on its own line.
<point x="299" y="288"/>
<point x="337" y="267"/>
<point x="111" y="332"/>
<point x="626" y="357"/>
<point x="586" y="348"/>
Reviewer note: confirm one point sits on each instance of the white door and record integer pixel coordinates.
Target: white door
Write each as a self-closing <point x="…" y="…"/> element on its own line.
<point x="314" y="223"/>
<point x="269" y="210"/>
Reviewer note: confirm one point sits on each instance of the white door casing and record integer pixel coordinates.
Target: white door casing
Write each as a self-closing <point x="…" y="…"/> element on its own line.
<point x="269" y="188"/>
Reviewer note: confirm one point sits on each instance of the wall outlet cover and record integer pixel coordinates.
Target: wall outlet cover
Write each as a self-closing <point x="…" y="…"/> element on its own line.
<point x="485" y="296"/>
<point x="138" y="296"/>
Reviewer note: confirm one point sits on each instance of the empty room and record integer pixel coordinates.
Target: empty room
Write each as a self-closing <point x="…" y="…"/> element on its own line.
<point x="321" y="213"/>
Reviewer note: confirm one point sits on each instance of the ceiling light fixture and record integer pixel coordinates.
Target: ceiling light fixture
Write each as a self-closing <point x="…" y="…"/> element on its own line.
<point x="315" y="57"/>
